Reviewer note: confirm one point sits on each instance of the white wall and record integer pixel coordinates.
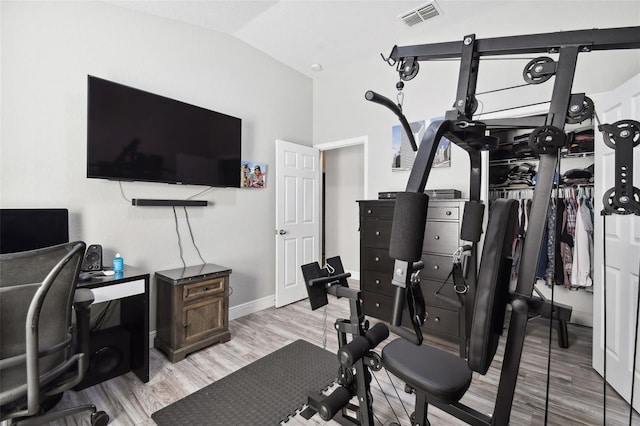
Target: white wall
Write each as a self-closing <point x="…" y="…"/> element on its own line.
<point x="48" y="48"/>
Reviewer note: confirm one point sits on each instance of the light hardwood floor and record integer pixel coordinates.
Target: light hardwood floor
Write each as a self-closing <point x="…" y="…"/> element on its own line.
<point x="575" y="389"/>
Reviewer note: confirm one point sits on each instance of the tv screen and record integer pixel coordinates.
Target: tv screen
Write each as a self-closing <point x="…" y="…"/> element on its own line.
<point x="137" y="135"/>
<point x="29" y="229"/>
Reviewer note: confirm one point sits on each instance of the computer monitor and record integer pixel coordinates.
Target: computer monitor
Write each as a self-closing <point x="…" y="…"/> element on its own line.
<point x="28" y="229"/>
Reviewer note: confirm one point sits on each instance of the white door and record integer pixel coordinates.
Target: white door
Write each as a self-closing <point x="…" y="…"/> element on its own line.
<point x="297" y="178"/>
<point x="622" y="241"/>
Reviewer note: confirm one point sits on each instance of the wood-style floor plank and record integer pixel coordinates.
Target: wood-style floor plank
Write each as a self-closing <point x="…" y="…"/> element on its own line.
<point x="575" y="388"/>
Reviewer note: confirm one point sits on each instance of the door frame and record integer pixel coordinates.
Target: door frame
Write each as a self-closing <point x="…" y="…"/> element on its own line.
<point x="360" y="140"/>
<point x="344" y="143"/>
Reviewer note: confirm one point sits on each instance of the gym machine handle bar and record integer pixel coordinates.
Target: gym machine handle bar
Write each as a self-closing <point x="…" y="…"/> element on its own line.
<point x="337" y="291"/>
<point x="372" y="96"/>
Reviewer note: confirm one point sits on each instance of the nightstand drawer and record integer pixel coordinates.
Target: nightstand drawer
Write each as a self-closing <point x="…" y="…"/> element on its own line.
<point x="376" y="233"/>
<point x="440" y="237"/>
<point x="376" y="259"/>
<point x="377" y="282"/>
<point x="202" y="289"/>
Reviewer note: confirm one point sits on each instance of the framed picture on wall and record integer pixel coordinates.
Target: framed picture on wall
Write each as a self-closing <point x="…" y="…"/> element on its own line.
<point x="252" y="174"/>
<point x="403" y="155"/>
<point x="443" y="153"/>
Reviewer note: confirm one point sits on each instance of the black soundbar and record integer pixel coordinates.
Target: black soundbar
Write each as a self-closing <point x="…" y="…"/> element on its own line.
<point x="188" y="203"/>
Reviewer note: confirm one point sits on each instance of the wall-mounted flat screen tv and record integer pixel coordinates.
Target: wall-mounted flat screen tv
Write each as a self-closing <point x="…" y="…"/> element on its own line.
<point x="133" y="135"/>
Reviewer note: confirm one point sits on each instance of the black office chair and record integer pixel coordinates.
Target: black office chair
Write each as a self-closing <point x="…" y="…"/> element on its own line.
<point x="42" y="352"/>
<point x="441" y="378"/>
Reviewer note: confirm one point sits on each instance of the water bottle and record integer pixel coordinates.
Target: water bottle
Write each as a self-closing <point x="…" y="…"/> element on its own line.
<point x="118" y="263"/>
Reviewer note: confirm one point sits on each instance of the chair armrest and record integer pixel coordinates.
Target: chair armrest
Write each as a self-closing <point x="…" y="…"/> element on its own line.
<point x="82" y="300"/>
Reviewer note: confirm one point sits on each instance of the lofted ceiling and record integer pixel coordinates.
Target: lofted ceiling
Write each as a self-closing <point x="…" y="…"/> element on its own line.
<point x="333" y="33"/>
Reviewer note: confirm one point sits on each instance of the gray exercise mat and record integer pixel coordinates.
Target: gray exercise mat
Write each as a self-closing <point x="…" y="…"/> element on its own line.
<point x="265" y="392"/>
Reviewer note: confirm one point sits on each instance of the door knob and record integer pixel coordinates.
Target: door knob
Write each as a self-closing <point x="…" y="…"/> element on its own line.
<point x="282" y="232"/>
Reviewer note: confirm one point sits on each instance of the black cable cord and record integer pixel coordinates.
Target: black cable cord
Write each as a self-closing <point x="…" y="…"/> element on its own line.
<point x="122" y="192"/>
<point x="503" y="88"/>
<point x="512" y="108"/>
<point x="385" y="397"/>
<point x="397" y="394"/>
<point x="553" y="286"/>
<point x="191" y="233"/>
<point x="101" y="317"/>
<point x="604" y="320"/>
<point x="175" y="216"/>
<point x="635" y="355"/>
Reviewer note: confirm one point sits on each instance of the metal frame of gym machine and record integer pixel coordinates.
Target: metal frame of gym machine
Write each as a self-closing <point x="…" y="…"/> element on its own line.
<point x="460" y="128"/>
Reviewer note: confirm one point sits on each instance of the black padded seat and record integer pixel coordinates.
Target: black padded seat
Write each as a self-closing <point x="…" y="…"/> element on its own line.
<point x="415" y="366"/>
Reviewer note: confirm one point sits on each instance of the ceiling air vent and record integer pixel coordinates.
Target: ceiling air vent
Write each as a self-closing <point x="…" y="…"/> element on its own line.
<point x="421" y="14"/>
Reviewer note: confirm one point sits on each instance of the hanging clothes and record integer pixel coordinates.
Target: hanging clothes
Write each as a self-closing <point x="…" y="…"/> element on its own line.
<point x="581" y="267"/>
<point x="566" y="255"/>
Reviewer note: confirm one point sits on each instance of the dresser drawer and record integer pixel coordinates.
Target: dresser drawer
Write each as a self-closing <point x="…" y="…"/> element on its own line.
<point x="440" y="237"/>
<point x="446" y="292"/>
<point x="202" y="289"/>
<point x="442" y="321"/>
<point x="377" y="282"/>
<point x="378" y="210"/>
<point x="376" y="233"/>
<point x="376" y="259"/>
<point x="377" y="306"/>
<point x="443" y="213"/>
<point x="436" y="267"/>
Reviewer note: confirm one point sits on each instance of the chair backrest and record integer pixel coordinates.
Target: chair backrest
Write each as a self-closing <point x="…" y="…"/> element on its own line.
<point x="492" y="291"/>
<point x="43" y="282"/>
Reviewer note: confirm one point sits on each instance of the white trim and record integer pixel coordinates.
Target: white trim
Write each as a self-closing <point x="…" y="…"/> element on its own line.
<point x="360" y="140"/>
<point x="525" y="111"/>
<point x="235" y="312"/>
<point x="251" y="307"/>
<point x="117" y="291"/>
<point x="354" y="274"/>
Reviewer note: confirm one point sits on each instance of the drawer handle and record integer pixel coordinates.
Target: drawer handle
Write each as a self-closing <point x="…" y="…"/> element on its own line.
<point x="448" y="213"/>
<point x="377" y="232"/>
<point x="436" y="267"/>
<point x="377" y="305"/>
<point x="377" y="281"/>
<point x="437" y="319"/>
<point x="369" y="211"/>
<point x="437" y="237"/>
<point x="377" y="259"/>
<point x="185" y="326"/>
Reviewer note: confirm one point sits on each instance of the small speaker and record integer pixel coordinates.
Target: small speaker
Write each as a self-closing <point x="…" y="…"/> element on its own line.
<point x="109" y="356"/>
<point x="92" y="259"/>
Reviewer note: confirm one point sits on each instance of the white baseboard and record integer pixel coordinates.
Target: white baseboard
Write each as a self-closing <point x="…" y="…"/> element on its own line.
<point x="236" y="312"/>
<point x="354" y="274"/>
<point x="251" y="307"/>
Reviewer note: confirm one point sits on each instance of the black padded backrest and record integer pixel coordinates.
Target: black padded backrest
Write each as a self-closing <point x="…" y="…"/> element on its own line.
<point x="492" y="285"/>
<point x="21" y="275"/>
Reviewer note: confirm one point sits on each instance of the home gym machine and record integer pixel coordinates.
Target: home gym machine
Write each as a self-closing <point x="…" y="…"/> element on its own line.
<point x="437" y="377"/>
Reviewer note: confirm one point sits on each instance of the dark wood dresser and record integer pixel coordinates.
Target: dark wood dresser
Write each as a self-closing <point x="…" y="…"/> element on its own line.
<point x="376" y="267"/>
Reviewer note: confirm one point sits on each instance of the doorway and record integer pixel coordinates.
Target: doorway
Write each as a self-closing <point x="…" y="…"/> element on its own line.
<point x="344" y="181"/>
